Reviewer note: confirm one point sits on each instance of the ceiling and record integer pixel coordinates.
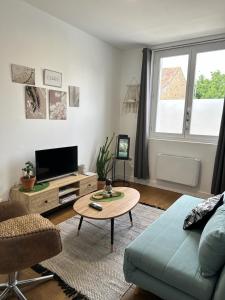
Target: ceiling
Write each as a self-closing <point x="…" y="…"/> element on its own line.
<point x="132" y="23"/>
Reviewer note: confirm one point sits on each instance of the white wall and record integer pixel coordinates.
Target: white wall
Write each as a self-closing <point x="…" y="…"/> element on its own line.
<point x="131" y="67"/>
<point x="32" y="38"/>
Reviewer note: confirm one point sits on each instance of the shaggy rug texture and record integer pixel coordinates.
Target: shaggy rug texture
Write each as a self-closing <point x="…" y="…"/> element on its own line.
<point x="86" y="263"/>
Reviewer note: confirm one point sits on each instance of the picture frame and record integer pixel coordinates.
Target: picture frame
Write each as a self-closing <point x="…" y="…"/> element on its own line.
<point x="35" y="102"/>
<point x="123" y="147"/>
<point x="57" y="105"/>
<point x="74" y="96"/>
<point x="22" y="74"/>
<point x="52" y="78"/>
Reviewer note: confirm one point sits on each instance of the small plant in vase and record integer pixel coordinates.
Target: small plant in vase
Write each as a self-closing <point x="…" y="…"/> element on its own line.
<point x="104" y="162"/>
<point x="28" y="179"/>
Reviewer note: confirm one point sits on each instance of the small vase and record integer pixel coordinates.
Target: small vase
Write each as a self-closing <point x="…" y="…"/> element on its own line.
<point x="28" y="183"/>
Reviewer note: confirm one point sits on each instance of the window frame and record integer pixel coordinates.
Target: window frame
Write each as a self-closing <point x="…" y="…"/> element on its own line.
<point x="192" y="51"/>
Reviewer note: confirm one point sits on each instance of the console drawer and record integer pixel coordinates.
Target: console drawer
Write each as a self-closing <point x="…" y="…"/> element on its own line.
<point x="43" y="201"/>
<point x="88" y="187"/>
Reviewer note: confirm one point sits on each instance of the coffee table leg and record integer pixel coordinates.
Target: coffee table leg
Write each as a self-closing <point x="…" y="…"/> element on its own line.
<point x="79" y="226"/>
<point x="112" y="233"/>
<point x="131" y="220"/>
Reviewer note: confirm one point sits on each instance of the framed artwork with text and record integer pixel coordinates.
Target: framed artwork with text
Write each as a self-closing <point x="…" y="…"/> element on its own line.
<point x="52" y="78"/>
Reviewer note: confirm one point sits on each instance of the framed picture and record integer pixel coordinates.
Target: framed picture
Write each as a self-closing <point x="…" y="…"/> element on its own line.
<point x="22" y="74"/>
<point x="35" y="102"/>
<point x="52" y="78"/>
<point x="123" y="146"/>
<point x="74" y="96"/>
<point x="57" y="105"/>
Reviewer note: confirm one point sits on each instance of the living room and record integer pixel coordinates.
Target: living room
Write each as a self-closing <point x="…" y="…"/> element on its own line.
<point x="152" y="74"/>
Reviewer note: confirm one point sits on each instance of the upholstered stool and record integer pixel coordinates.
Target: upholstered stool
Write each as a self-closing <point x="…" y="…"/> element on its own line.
<point x="24" y="241"/>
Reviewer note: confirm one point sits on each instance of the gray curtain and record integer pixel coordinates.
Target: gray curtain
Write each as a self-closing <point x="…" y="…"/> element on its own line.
<point x="141" y="163"/>
<point x="218" y="181"/>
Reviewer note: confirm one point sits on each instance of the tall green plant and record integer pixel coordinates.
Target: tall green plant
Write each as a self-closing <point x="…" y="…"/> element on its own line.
<point x="104" y="160"/>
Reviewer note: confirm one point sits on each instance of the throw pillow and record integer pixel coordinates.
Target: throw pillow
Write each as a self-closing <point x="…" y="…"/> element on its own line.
<point x="212" y="244"/>
<point x="203" y="211"/>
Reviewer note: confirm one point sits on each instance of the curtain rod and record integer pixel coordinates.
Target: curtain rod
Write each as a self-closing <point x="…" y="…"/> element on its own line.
<point x="222" y="39"/>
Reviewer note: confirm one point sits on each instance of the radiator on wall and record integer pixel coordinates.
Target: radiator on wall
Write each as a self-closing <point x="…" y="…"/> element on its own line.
<point x="178" y="169"/>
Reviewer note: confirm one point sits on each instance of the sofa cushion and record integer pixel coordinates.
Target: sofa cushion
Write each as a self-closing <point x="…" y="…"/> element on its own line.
<point x="212" y="244"/>
<point x="168" y="253"/>
<point x="203" y="211"/>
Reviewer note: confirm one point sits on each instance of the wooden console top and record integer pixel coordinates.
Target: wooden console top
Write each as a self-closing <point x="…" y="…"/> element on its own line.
<point x="57" y="183"/>
<point x="73" y="186"/>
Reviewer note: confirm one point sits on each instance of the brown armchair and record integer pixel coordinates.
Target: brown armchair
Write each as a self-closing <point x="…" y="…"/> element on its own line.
<point x="25" y="240"/>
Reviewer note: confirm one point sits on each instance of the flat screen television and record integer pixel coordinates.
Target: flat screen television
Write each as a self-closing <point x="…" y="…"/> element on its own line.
<point x="56" y="163"/>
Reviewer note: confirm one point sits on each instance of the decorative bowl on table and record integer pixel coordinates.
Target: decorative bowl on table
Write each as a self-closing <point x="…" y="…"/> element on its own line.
<point x="105" y="195"/>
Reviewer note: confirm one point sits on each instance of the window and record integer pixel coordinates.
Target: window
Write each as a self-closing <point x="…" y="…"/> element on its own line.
<point x="171" y="94"/>
<point x="188" y="92"/>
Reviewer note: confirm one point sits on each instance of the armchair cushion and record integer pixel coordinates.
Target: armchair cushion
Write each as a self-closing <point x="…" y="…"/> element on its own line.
<point x="24" y="225"/>
<point x="26" y="241"/>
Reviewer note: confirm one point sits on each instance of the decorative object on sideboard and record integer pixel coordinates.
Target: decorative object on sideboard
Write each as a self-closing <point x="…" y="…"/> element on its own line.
<point x="57" y="105"/>
<point x="22" y="74"/>
<point x="35" y="102"/>
<point x="81" y="169"/>
<point x="74" y="96"/>
<point x="28" y="179"/>
<point x="52" y="78"/>
<point x="104" y="161"/>
<point x="123" y="146"/>
<point x="131" y="99"/>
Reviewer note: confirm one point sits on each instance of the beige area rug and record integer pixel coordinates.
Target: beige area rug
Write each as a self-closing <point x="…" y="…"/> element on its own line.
<point x="86" y="263"/>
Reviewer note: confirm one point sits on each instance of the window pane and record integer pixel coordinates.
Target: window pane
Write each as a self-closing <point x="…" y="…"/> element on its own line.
<point x="209" y="93"/>
<point x="171" y="94"/>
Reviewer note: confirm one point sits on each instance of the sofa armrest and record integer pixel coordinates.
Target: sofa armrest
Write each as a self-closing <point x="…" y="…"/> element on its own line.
<point x="219" y="292"/>
<point x="12" y="209"/>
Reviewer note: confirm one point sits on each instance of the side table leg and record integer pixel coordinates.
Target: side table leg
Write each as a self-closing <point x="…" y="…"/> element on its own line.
<point x="124" y="172"/>
<point x="79" y="226"/>
<point x="131" y="219"/>
<point x="112" y="171"/>
<point x="112" y="233"/>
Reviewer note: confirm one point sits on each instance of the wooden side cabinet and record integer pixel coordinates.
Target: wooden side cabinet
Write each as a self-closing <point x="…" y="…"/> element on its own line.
<point x="58" y="192"/>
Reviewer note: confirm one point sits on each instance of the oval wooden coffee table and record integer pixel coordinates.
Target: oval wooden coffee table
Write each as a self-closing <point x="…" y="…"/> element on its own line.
<point x="110" y="210"/>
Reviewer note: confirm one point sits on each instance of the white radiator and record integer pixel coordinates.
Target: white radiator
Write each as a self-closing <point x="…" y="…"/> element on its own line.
<point x="179" y="169"/>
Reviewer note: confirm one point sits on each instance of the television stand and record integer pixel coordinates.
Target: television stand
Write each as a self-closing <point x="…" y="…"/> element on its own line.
<point x="60" y="191"/>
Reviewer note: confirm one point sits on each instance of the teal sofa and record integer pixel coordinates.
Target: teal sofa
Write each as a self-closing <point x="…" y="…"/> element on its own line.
<point x="164" y="259"/>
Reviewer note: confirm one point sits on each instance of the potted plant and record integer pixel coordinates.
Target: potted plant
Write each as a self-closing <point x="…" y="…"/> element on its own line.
<point x="28" y="179"/>
<point x="104" y="161"/>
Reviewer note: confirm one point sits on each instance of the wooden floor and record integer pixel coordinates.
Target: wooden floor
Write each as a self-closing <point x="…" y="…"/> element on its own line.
<point x="51" y="291"/>
<point x="153" y="196"/>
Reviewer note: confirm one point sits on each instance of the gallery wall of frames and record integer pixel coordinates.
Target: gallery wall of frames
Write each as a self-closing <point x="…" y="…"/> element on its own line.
<point x="36" y="97"/>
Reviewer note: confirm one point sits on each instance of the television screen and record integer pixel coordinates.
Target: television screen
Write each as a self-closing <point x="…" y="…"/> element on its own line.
<point x="57" y="162"/>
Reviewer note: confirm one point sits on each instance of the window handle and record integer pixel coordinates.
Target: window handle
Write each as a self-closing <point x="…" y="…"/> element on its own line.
<point x="188" y="115"/>
<point x="187" y="119"/>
